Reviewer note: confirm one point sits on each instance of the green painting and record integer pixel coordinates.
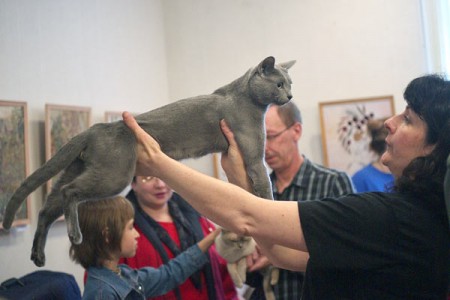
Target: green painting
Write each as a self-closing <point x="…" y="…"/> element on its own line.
<point x="13" y="155"/>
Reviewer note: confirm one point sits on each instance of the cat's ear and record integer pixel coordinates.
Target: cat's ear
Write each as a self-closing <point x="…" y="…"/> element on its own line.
<point x="287" y="65"/>
<point x="266" y="66"/>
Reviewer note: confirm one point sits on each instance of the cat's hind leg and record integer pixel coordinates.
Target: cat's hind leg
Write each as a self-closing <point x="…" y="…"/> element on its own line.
<point x="234" y="273"/>
<point x="50" y="212"/>
<point x="96" y="182"/>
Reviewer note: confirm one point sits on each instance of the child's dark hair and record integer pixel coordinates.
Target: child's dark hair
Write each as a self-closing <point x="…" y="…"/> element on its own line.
<point x="102" y="223"/>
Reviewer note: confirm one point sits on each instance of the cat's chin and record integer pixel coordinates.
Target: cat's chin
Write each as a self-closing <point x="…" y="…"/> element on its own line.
<point x="281" y="102"/>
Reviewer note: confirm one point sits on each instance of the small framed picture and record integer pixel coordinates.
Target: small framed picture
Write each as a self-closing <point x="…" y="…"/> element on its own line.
<point x="61" y="124"/>
<point x="345" y="139"/>
<point x="14" y="161"/>
<point x="112" y="116"/>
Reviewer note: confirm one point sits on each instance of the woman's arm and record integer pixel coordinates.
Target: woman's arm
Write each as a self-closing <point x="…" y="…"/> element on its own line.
<point x="231" y="207"/>
<point x="285" y="258"/>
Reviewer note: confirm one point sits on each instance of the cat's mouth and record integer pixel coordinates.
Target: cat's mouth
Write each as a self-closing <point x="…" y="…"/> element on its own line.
<point x="281" y="101"/>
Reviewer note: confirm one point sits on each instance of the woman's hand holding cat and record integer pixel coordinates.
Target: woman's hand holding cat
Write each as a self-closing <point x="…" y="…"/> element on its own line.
<point x="257" y="261"/>
<point x="148" y="150"/>
<point x="233" y="162"/>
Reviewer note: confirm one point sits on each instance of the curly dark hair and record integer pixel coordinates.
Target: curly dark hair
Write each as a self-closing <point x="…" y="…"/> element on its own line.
<point x="429" y="97"/>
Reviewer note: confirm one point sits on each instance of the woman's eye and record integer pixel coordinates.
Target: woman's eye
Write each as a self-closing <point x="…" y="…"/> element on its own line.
<point x="406" y="118"/>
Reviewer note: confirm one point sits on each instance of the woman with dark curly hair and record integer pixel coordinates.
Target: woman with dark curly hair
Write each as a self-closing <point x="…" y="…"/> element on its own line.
<point x="361" y="246"/>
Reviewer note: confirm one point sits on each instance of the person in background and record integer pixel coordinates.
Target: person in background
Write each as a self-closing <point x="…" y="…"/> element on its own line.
<point x="108" y="234"/>
<point x="375" y="245"/>
<point x="375" y="176"/>
<point x="168" y="226"/>
<point x="293" y="177"/>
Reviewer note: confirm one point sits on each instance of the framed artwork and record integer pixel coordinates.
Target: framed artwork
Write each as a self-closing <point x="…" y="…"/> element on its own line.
<point x="112" y="116"/>
<point x="14" y="163"/>
<point x="61" y="124"/>
<point x="345" y="139"/>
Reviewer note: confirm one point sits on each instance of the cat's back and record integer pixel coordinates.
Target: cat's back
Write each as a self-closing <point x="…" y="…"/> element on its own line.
<point x="114" y="138"/>
<point x="188" y="106"/>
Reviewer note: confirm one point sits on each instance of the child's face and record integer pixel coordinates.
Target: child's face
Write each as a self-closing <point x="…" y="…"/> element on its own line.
<point x="128" y="244"/>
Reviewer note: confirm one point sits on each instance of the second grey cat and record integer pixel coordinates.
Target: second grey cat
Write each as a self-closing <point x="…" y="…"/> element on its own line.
<point x="100" y="162"/>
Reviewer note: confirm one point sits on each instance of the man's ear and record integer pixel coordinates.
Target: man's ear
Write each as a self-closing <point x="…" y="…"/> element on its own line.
<point x="298" y="129"/>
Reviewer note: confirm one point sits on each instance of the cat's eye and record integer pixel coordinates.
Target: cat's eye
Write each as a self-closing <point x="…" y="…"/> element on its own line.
<point x="280" y="85"/>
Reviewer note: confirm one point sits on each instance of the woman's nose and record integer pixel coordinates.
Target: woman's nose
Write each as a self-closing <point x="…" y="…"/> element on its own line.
<point x="159" y="182"/>
<point x="389" y="124"/>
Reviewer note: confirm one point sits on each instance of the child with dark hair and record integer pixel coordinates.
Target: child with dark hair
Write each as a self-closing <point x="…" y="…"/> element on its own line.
<point x="108" y="235"/>
<point x="375" y="177"/>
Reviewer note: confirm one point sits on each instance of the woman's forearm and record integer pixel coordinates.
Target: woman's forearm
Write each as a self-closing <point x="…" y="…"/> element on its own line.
<point x="283" y="257"/>
<point x="226" y="204"/>
<point x="232" y="207"/>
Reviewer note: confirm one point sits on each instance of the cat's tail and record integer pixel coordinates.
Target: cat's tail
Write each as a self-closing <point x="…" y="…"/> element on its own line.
<point x="66" y="155"/>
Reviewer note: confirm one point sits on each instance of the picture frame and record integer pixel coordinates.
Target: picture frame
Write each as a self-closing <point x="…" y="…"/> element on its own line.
<point x="112" y="116"/>
<point x="345" y="139"/>
<point x="14" y="157"/>
<point x="62" y="123"/>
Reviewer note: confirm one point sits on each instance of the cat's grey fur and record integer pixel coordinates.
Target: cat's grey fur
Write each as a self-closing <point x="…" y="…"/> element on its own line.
<point x="100" y="162"/>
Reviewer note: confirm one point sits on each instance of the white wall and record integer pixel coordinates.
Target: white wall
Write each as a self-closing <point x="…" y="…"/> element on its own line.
<point x="108" y="55"/>
<point x="344" y="49"/>
<point x="136" y="55"/>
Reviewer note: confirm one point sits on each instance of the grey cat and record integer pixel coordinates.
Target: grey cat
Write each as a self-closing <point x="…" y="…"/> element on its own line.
<point x="100" y="162"/>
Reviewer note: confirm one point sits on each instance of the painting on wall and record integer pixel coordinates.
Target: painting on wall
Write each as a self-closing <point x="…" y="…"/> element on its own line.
<point x="112" y="116"/>
<point x="345" y="139"/>
<point x="14" y="164"/>
<point x="61" y="124"/>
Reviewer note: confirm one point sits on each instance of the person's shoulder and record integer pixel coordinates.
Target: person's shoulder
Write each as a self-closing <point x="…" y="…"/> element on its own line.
<point x="362" y="173"/>
<point x="326" y="170"/>
<point x="99" y="292"/>
<point x="98" y="288"/>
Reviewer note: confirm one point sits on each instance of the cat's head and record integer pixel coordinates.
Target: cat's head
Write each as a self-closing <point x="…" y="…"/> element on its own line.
<point x="270" y="83"/>
<point x="232" y="239"/>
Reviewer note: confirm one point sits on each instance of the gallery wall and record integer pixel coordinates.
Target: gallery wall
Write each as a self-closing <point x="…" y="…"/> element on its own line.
<point x="106" y="55"/>
<point x="137" y="55"/>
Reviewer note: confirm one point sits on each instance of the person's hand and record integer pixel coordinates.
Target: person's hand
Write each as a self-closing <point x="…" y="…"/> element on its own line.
<point x="257" y="261"/>
<point x="148" y="149"/>
<point x="233" y="162"/>
<point x="208" y="240"/>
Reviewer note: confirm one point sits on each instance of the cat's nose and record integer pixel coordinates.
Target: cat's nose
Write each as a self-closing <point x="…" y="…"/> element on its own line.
<point x="290" y="97"/>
